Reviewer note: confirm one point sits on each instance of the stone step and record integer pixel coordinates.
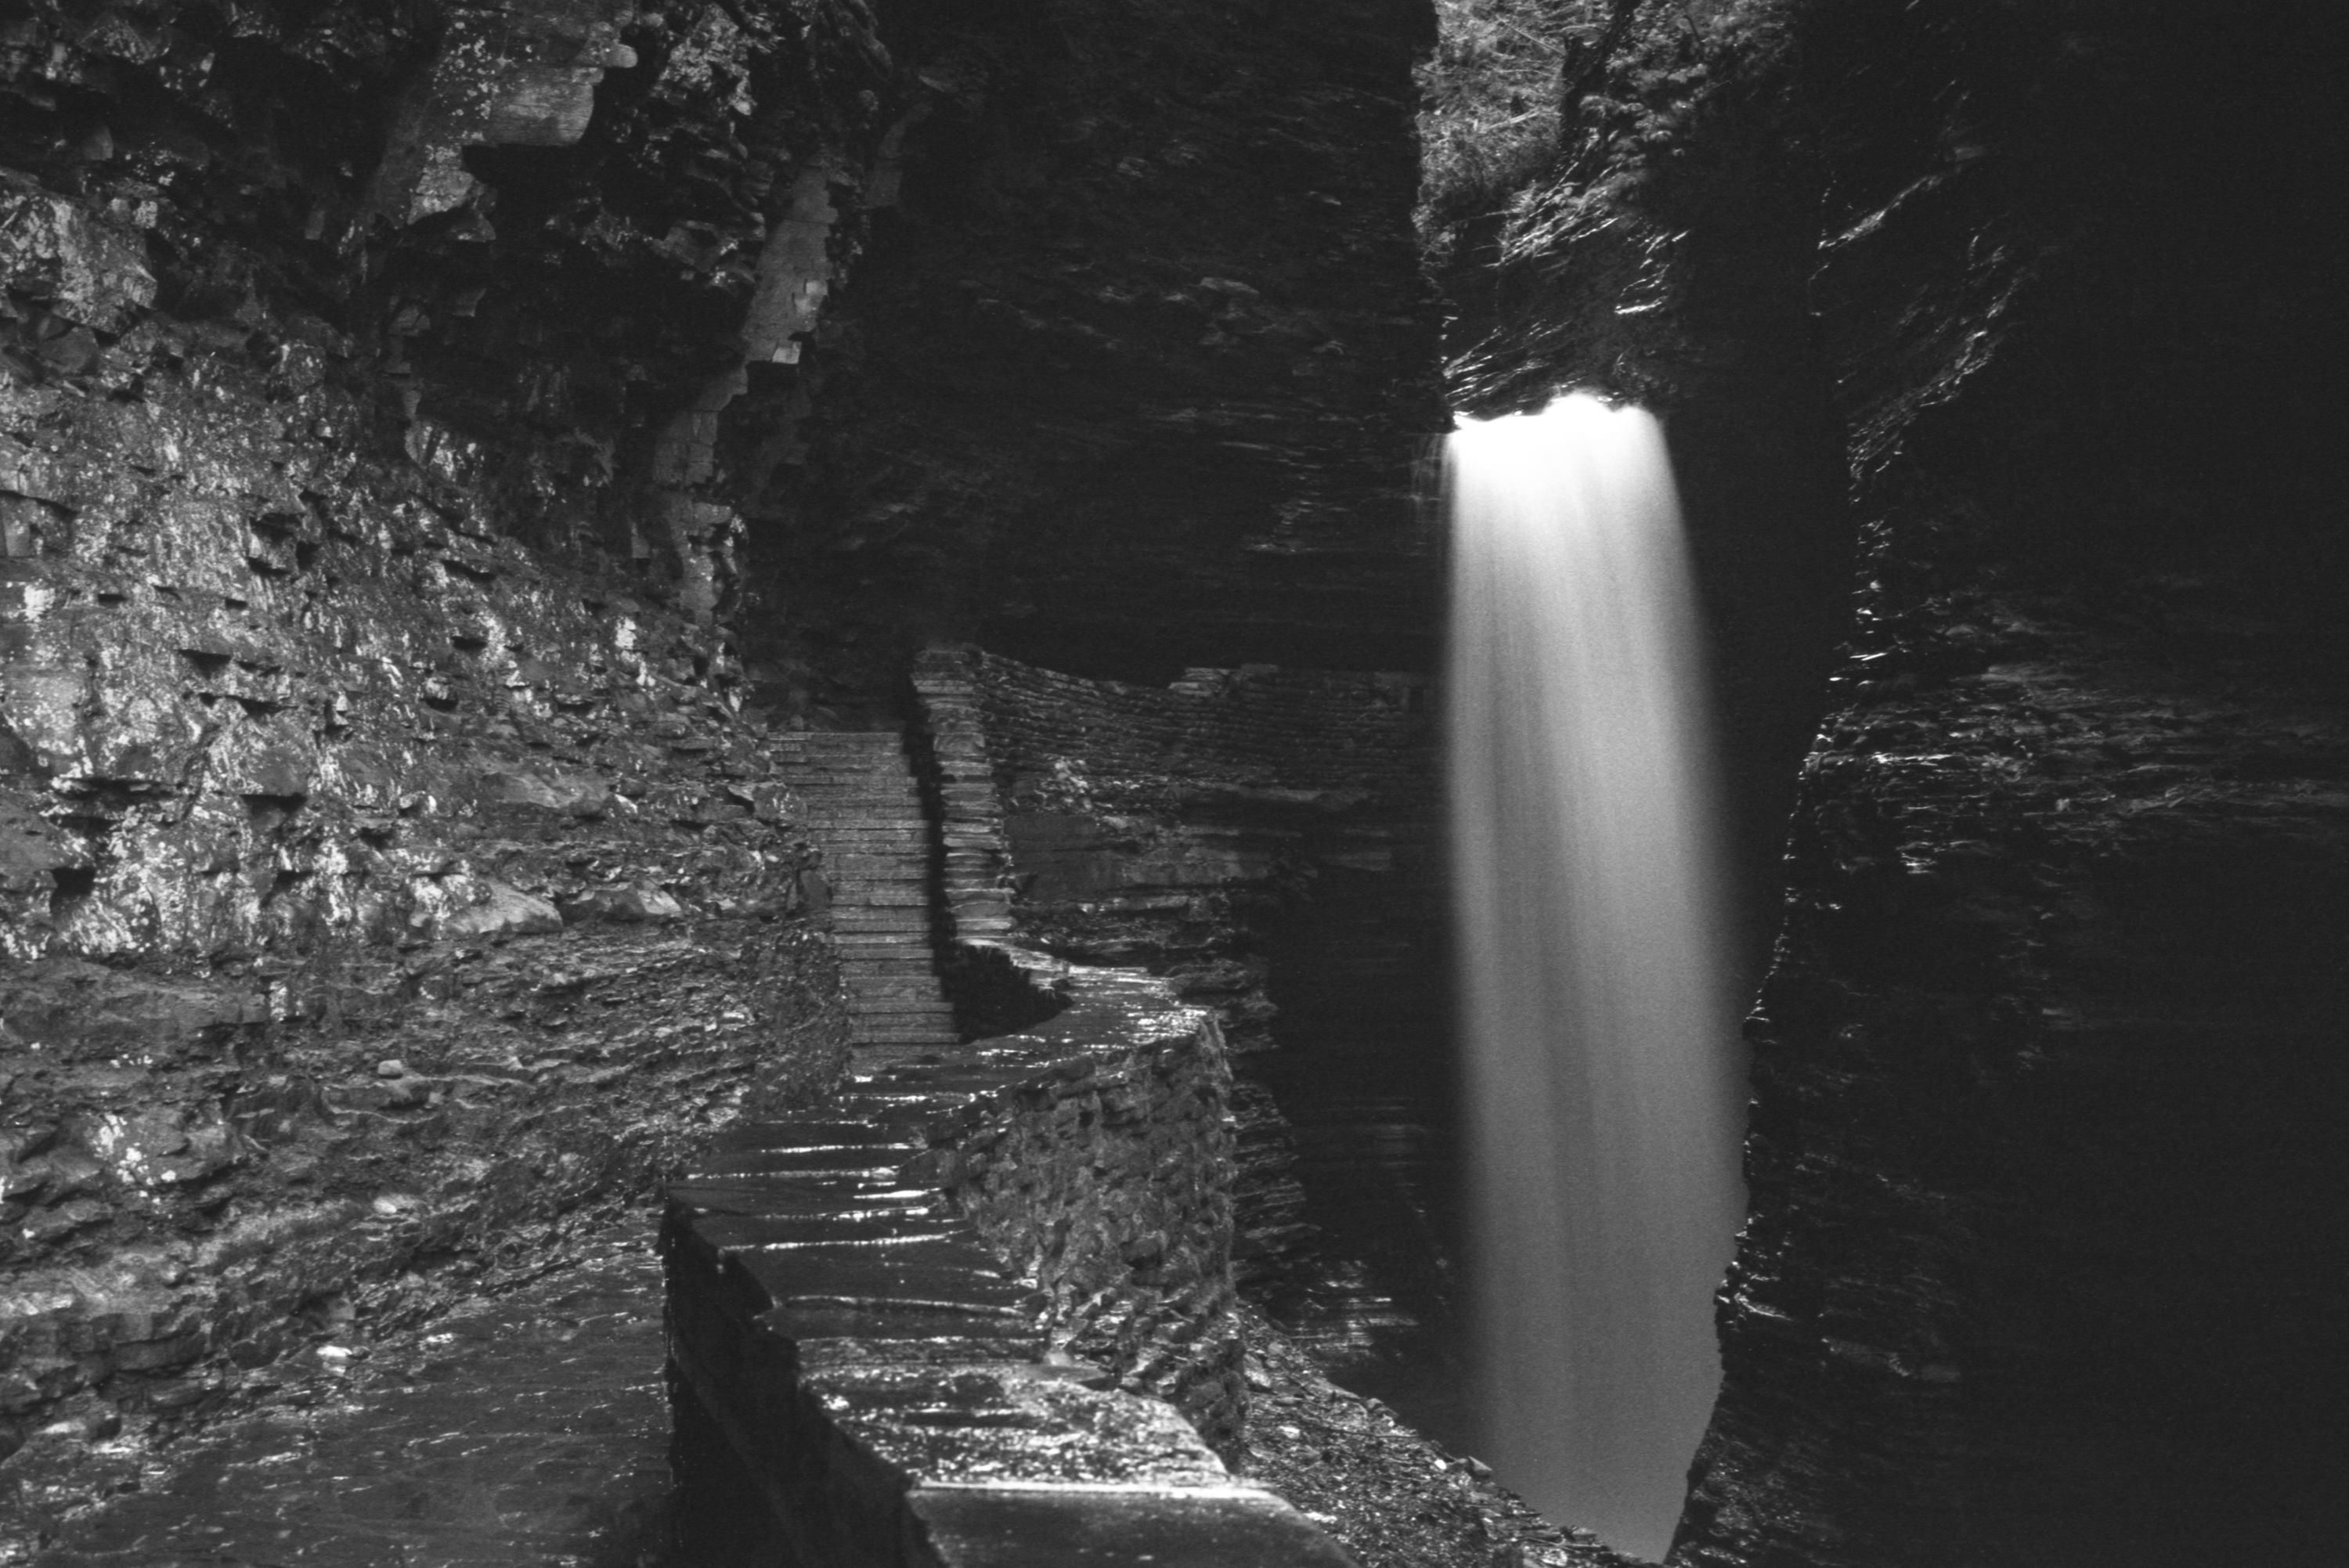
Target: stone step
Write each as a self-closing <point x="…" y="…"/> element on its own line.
<point x="936" y="1019"/>
<point x="911" y="925"/>
<point x="902" y="984"/>
<point x="932" y="1001"/>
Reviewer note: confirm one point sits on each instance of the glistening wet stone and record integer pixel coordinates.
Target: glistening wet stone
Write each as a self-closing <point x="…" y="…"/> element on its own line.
<point x="859" y="1381"/>
<point x="525" y="1428"/>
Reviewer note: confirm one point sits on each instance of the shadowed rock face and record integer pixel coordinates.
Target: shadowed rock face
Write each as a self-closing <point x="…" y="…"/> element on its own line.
<point x="2044" y="1202"/>
<point x="387" y="866"/>
<point x="1136" y="371"/>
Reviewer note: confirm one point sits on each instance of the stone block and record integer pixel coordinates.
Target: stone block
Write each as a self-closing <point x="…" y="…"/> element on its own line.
<point x="1000" y="1527"/>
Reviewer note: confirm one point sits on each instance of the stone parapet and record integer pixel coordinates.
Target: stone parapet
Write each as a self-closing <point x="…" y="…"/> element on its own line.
<point x="922" y="1325"/>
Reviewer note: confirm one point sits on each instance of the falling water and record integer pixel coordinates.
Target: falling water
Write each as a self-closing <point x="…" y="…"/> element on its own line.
<point x="1604" y="1087"/>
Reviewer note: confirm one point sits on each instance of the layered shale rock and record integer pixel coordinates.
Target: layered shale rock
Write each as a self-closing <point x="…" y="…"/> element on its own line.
<point x="1140" y="363"/>
<point x="388" y="867"/>
<point x="2043" y="1220"/>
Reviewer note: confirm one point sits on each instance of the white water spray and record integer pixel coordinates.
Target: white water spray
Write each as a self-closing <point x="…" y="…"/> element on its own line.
<point x="1604" y="1084"/>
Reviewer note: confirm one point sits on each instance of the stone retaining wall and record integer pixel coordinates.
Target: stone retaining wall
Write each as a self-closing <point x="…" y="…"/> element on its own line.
<point x="1242" y="832"/>
<point x="856" y="1361"/>
<point x="1105" y="1175"/>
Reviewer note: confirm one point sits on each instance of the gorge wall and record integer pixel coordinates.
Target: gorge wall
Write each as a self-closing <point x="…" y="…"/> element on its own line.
<point x="392" y="881"/>
<point x="439" y="446"/>
<point x="438" y="443"/>
<point x="2044" y="1202"/>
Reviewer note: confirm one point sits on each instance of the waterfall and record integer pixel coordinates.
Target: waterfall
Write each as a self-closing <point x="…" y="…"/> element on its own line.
<point x="1605" y="1087"/>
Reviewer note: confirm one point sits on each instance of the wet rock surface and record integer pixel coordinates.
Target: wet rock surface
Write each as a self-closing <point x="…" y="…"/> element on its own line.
<point x="860" y="1369"/>
<point x="392" y="869"/>
<point x="1261" y="837"/>
<point x="1390" y="1493"/>
<point x="2036" y="1262"/>
<point x="388" y="868"/>
<point x="528" y="1424"/>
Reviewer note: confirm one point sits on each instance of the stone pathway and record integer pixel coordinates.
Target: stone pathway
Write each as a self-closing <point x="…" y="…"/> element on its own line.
<point x="864" y="812"/>
<point x="527" y="1427"/>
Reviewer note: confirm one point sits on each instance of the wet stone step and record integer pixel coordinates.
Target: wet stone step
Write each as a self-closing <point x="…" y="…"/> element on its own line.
<point x="941" y="1275"/>
<point x="976" y="1527"/>
<point x="902" y="895"/>
<point x="733" y="1231"/>
<point x="810" y="1195"/>
<point x="812" y="1161"/>
<point x="1019" y="1426"/>
<point x="974" y="1335"/>
<point x="787" y="1133"/>
<point x="812" y="1201"/>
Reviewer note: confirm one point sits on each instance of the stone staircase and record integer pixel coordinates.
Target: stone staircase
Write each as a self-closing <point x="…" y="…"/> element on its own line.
<point x="864" y="812"/>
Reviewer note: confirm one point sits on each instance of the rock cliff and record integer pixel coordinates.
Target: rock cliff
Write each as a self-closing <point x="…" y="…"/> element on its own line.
<point x="390" y="870"/>
<point x="2043" y="1195"/>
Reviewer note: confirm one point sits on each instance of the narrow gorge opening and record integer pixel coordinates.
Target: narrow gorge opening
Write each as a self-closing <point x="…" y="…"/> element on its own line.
<point x="719" y="771"/>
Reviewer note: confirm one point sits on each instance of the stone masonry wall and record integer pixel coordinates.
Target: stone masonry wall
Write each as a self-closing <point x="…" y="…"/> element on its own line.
<point x="1106" y="1178"/>
<point x="857" y="1380"/>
